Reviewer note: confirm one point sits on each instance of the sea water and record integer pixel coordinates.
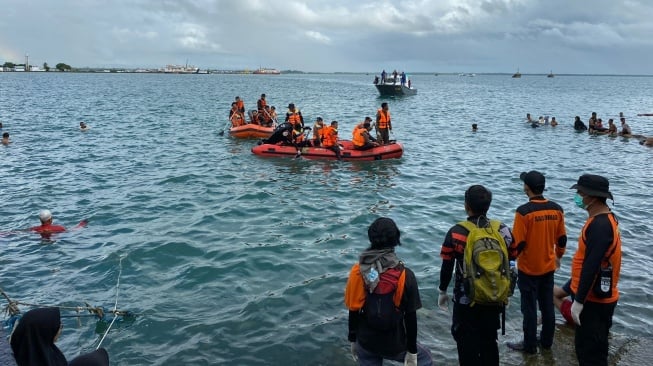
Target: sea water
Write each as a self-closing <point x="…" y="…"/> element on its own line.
<point x="229" y="258"/>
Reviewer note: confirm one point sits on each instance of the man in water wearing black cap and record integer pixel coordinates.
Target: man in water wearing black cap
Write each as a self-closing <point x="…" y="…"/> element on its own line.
<point x="539" y="230"/>
<point x="595" y="270"/>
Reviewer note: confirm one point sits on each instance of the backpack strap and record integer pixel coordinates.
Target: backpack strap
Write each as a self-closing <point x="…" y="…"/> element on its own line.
<point x="399" y="292"/>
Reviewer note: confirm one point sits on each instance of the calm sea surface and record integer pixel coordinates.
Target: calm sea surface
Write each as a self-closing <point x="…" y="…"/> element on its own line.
<point x="227" y="257"/>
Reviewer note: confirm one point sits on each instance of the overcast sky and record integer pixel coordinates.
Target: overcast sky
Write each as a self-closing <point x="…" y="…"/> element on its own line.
<point x="563" y="36"/>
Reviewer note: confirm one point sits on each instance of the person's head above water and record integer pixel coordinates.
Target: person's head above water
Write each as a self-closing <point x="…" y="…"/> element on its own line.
<point x="45" y="216"/>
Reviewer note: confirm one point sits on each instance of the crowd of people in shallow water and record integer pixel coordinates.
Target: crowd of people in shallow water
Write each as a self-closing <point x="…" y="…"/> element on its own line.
<point x="594" y="126"/>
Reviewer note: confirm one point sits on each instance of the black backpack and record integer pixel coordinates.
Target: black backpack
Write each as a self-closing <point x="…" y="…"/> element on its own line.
<point x="379" y="309"/>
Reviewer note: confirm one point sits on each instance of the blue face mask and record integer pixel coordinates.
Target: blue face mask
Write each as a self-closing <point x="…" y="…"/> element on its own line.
<point x="579" y="201"/>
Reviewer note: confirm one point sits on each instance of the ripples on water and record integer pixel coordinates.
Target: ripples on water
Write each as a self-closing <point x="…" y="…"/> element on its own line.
<point x="228" y="257"/>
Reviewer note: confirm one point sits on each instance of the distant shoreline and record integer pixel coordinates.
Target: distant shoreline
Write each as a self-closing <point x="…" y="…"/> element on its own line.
<point x="287" y="72"/>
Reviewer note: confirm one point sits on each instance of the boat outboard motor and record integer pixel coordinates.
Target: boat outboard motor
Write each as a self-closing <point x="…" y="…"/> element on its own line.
<point x="278" y="134"/>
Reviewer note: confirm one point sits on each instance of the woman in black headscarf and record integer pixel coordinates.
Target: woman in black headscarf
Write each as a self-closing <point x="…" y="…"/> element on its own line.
<point x="33" y="338"/>
<point x="33" y="342"/>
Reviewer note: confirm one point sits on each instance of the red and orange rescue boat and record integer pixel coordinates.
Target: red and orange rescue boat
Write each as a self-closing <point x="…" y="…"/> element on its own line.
<point x="347" y="153"/>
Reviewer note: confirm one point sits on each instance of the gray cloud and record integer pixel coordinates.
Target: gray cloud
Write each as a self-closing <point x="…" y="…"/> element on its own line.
<point x="326" y="36"/>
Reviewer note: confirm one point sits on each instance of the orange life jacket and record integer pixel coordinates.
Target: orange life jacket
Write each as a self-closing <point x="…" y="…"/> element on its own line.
<point x="294" y="117"/>
<point x="383" y="118"/>
<point x="614" y="260"/>
<point x="330" y="137"/>
<point x="359" y="136"/>
<point x="261" y="104"/>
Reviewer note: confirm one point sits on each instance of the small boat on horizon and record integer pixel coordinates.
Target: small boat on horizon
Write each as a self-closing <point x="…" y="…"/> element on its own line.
<point x="550" y="74"/>
<point x="517" y="74"/>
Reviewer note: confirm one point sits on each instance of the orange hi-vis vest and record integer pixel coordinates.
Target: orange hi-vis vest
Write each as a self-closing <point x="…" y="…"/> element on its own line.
<point x="293" y="117"/>
<point x="358" y="136"/>
<point x="330" y="137"/>
<point x="240" y="105"/>
<point x="355" y="290"/>
<point x="384" y="118"/>
<point x="614" y="259"/>
<point x="261" y="104"/>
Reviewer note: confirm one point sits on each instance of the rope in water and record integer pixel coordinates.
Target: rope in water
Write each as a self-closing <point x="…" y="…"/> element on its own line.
<point x="115" y="306"/>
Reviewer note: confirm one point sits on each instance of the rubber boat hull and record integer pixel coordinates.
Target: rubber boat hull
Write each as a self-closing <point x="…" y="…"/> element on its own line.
<point x="395" y="89"/>
<point x="251" y="131"/>
<point x="391" y="151"/>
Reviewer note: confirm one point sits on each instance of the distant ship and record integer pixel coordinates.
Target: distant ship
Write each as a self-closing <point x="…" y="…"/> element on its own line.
<point x="180" y="69"/>
<point x="264" y="71"/>
<point x="517" y="74"/>
<point x="550" y="74"/>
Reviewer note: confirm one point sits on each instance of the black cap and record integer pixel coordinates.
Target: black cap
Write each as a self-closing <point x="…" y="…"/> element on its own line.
<point x="291" y="105"/>
<point x="593" y="185"/>
<point x="534" y="180"/>
<point x="383" y="232"/>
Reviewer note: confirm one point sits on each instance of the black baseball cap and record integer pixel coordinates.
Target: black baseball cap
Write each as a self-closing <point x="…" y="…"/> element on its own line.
<point x="533" y="179"/>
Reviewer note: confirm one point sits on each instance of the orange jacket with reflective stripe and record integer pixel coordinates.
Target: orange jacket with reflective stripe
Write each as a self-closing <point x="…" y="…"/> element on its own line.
<point x="355" y="290"/>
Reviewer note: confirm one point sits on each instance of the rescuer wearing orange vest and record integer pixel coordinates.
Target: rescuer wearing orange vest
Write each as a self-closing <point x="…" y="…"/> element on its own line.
<point x="294" y="115"/>
<point x="330" y="138"/>
<point x="595" y="271"/>
<point x="361" y="136"/>
<point x="383" y="124"/>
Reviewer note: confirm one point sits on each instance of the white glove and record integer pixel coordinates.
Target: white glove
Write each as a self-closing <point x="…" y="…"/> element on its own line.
<point x="576" y="309"/>
<point x="443" y="301"/>
<point x="410" y="359"/>
<point x="354" y="355"/>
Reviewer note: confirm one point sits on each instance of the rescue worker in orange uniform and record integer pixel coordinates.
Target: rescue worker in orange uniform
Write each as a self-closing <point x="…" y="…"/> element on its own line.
<point x="263" y="111"/>
<point x="383" y="124"/>
<point x="330" y="138"/>
<point x="541" y="237"/>
<point x="595" y="270"/>
<point x="318" y="132"/>
<point x="294" y="115"/>
<point x="241" y="106"/>
<point x="235" y="117"/>
<point x="361" y="138"/>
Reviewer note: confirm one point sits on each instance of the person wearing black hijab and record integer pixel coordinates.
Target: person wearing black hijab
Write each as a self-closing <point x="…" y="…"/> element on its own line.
<point x="33" y="338"/>
<point x="32" y="342"/>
